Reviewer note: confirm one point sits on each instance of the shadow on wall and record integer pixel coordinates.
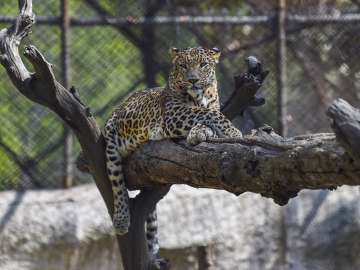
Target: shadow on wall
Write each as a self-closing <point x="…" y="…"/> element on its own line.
<point x="101" y="254"/>
<point x="5" y="218"/>
<point x="93" y="255"/>
<point x="334" y="244"/>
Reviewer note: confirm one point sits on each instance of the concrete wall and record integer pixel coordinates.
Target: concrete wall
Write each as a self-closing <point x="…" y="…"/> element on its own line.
<point x="70" y="229"/>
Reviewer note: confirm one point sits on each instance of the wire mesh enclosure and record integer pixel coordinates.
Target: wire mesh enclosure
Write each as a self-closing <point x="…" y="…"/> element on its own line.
<point x="107" y="49"/>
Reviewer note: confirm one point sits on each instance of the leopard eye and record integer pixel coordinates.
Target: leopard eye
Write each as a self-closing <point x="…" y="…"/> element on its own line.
<point x="203" y="64"/>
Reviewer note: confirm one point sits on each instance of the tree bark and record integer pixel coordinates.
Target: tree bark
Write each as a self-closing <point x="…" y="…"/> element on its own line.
<point x="346" y="125"/>
<point x="273" y="167"/>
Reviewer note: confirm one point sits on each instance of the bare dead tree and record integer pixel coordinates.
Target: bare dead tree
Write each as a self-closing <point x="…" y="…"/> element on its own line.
<point x="263" y="162"/>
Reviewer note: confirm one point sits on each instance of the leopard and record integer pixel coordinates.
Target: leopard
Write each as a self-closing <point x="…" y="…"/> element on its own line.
<point x="187" y="107"/>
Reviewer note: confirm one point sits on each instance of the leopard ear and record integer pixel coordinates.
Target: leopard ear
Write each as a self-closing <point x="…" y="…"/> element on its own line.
<point x="173" y="52"/>
<point x="215" y="53"/>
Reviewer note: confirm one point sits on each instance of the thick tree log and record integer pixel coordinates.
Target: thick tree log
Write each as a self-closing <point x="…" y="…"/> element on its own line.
<point x="273" y="167"/>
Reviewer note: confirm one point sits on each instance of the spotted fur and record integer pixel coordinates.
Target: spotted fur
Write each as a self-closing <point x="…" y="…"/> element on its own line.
<point x="188" y="107"/>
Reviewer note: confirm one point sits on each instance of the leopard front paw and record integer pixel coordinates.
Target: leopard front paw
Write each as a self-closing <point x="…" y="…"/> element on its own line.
<point x="121" y="224"/>
<point x="195" y="139"/>
<point x="199" y="134"/>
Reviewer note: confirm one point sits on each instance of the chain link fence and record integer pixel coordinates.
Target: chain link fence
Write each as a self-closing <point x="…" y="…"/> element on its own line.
<point x="116" y="47"/>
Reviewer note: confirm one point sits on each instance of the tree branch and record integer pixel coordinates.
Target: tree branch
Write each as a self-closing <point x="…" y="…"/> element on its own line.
<point x="346" y="125"/>
<point x="104" y="14"/>
<point x="274" y="167"/>
<point x="246" y="87"/>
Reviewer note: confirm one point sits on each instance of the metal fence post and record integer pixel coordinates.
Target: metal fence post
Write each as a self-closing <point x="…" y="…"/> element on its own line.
<point x="281" y="116"/>
<point x="281" y="68"/>
<point x="65" y="70"/>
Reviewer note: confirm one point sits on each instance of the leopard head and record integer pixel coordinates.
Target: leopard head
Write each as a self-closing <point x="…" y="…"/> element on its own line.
<point x="193" y="71"/>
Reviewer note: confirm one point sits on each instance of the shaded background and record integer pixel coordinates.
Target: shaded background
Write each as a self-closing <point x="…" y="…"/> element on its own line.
<point x="115" y="47"/>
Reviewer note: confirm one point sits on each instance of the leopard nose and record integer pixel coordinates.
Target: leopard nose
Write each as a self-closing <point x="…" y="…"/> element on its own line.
<point x="193" y="80"/>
